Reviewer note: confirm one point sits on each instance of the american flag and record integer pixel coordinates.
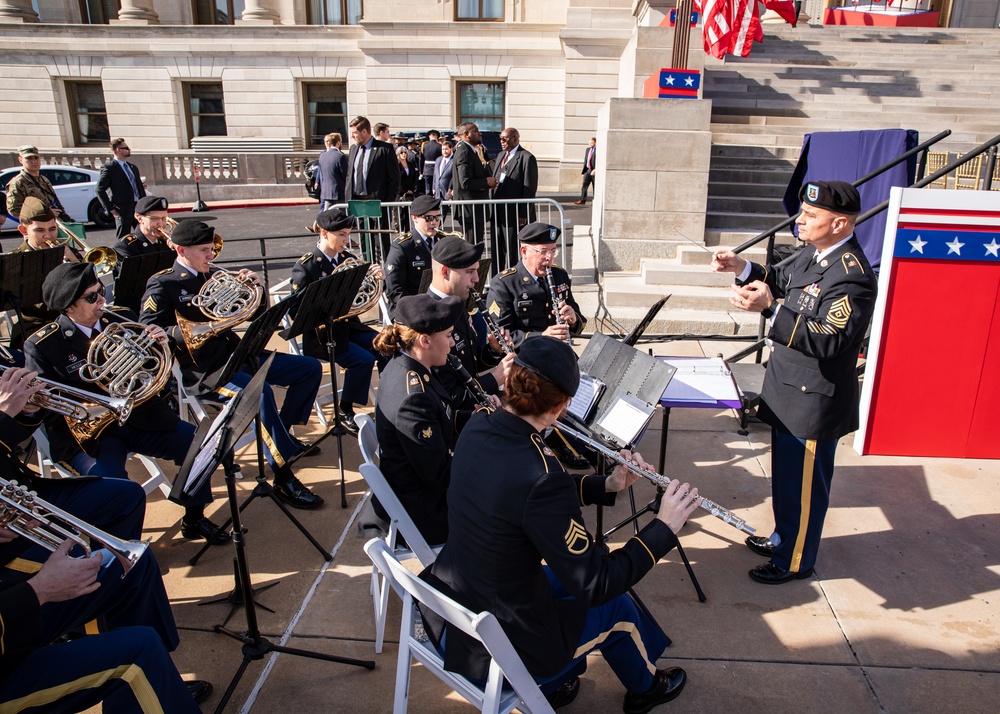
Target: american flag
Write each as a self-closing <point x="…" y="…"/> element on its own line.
<point x="731" y="27"/>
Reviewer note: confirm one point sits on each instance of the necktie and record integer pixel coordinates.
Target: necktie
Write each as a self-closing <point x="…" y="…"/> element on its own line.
<point x="504" y="161"/>
<point x="359" y="173"/>
<point x="590" y="155"/>
<point x="131" y="180"/>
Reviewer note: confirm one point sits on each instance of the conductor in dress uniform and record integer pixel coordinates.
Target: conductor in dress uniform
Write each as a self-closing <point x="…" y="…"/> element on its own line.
<point x="410" y="253"/>
<point x="810" y="392"/>
<point x="511" y="507"/>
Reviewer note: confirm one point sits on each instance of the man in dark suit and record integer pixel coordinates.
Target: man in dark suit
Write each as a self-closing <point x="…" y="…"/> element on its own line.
<point x="432" y="151"/>
<point x="516" y="172"/>
<point x="332" y="173"/>
<point x="372" y="172"/>
<point x="589" y="165"/>
<point x="810" y="392"/>
<point x="471" y="182"/>
<point x="444" y="167"/>
<point x="123" y="179"/>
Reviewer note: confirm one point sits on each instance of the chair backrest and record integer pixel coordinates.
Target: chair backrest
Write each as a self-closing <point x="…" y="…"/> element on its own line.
<point x="482" y="627"/>
<point x="399" y="519"/>
<point x="968" y="174"/>
<point x="936" y="160"/>
<point x="367" y="437"/>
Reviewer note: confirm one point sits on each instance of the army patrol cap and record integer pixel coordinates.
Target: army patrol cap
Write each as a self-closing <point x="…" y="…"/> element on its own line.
<point x="836" y="196"/>
<point x="538" y="234"/>
<point x="426" y="314"/>
<point x="66" y="283"/>
<point x="27" y="151"/>
<point x="33" y="210"/>
<point x="336" y="219"/>
<point x="457" y="253"/>
<point x="423" y="204"/>
<point x="191" y="232"/>
<point x="150" y="203"/>
<point x="552" y="359"/>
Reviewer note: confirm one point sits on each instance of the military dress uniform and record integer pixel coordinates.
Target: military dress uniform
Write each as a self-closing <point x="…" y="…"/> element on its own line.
<point x="414" y="421"/>
<point x="522" y="303"/>
<point x="135" y="244"/>
<point x="810" y="391"/>
<point x="409" y="256"/>
<point x="511" y="506"/>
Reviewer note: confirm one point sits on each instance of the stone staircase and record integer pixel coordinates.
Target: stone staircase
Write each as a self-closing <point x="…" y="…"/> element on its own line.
<point x="802" y="80"/>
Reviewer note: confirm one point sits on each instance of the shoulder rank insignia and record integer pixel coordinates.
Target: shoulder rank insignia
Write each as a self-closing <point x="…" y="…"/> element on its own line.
<point x="402" y="238"/>
<point x="577" y="540"/>
<point x="413" y="383"/>
<point x="306" y="258"/>
<point x="130" y="238"/>
<point x="427" y="433"/>
<point x="850" y="261"/>
<point x="44" y="332"/>
<point x="495" y="309"/>
<point x="168" y="271"/>
<point x="149" y="305"/>
<point x="840" y="313"/>
<point x="506" y="273"/>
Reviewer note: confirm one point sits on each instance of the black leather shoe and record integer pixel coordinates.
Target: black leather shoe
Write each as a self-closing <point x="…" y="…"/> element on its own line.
<point x="760" y="545"/>
<point x="667" y="684"/>
<point x="294" y="493"/>
<point x="565" y="694"/>
<point x="203" y="528"/>
<point x="309" y="449"/>
<point x="200" y="689"/>
<point x="771" y="574"/>
<point x="347" y="421"/>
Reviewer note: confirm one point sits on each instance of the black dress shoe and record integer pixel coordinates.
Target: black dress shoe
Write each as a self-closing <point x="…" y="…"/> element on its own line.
<point x="771" y="574"/>
<point x="667" y="684"/>
<point x="347" y="421"/>
<point x="307" y="448"/>
<point x="760" y="545"/>
<point x="294" y="493"/>
<point x="200" y="689"/>
<point x="203" y="528"/>
<point x="565" y="694"/>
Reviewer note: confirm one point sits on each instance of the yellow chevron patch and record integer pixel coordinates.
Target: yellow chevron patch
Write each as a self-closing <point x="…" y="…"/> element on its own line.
<point x="577" y="540"/>
<point x="495" y="309"/>
<point x="149" y="305"/>
<point x="840" y="313"/>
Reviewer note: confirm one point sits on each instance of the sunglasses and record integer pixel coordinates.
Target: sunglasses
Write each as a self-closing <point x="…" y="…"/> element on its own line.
<point x="436" y="217"/>
<point x="93" y="297"/>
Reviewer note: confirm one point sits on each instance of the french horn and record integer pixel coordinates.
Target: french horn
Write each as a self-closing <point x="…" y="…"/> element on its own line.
<point x="226" y="301"/>
<point x="370" y="290"/>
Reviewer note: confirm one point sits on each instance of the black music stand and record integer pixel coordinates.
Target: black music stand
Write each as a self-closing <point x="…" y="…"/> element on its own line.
<point x="135" y="272"/>
<point x="203" y="458"/>
<point x="254" y="341"/>
<point x="22" y="274"/>
<point x="321" y="304"/>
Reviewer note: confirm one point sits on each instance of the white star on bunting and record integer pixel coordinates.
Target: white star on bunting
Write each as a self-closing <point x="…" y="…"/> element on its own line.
<point x="917" y="246"/>
<point x="669" y="80"/>
<point x="992" y="248"/>
<point x="955" y="247"/>
<point x="689" y="81"/>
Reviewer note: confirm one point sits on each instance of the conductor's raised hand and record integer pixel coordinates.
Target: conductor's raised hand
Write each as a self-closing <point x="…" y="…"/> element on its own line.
<point x="725" y="260"/>
<point x="679" y="501"/>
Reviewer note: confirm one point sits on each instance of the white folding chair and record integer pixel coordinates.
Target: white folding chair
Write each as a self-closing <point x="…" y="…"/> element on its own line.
<point x="367" y="438"/>
<point x="506" y="666"/>
<point x="400" y="523"/>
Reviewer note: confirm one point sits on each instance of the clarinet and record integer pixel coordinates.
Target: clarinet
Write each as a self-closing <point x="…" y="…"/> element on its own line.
<point x="724" y="514"/>
<point x="491" y="324"/>
<point x="555" y="300"/>
<point x="470" y="383"/>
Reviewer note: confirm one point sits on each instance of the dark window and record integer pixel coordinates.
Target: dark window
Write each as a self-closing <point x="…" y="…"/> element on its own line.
<point x="99" y="12"/>
<point x="218" y="12"/>
<point x="64" y="177"/>
<point x="206" y="110"/>
<point x="335" y="12"/>
<point x="326" y="111"/>
<point x="482" y="103"/>
<point x="88" y="113"/>
<point x="479" y="10"/>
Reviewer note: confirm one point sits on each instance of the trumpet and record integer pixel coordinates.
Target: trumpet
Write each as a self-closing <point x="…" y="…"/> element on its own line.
<point x="40" y="522"/>
<point x="77" y="404"/>
<point x="217" y="243"/>
<point x="724" y="514"/>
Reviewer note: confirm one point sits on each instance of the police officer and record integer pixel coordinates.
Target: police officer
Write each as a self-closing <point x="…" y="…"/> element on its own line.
<point x="353" y="339"/>
<point x="511" y="507"/>
<point x="410" y="253"/>
<point x="521" y="299"/>
<point x="148" y="237"/>
<point x="455" y="268"/>
<point x="810" y="392"/>
<point x="59" y="350"/>
<point x="414" y="418"/>
<point x="169" y="293"/>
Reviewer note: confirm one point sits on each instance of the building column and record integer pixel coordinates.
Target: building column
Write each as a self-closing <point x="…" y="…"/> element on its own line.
<point x="17" y="11"/>
<point x="259" y="12"/>
<point x="137" y="12"/>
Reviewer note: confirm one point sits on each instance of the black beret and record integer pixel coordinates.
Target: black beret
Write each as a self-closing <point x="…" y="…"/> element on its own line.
<point x="66" y="283"/>
<point x="150" y="203"/>
<point x="192" y="232"/>
<point x="836" y="196"/>
<point x="427" y="314"/>
<point x="423" y="204"/>
<point x="455" y="252"/>
<point x="336" y="219"/>
<point x="552" y="359"/>
<point x="538" y="234"/>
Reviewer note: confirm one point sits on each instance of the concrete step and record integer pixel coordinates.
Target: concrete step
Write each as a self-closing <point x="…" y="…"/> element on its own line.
<point x="750" y="174"/>
<point x="744" y="204"/>
<point x="757" y="152"/>
<point x="721" y="220"/>
<point x="732" y="238"/>
<point x="658" y="271"/>
<point x="751" y="187"/>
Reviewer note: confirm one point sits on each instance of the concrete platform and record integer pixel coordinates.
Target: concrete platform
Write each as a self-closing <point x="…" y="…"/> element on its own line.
<point x="900" y="616"/>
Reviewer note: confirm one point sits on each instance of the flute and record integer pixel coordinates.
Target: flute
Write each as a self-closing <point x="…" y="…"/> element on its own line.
<point x="724" y="514"/>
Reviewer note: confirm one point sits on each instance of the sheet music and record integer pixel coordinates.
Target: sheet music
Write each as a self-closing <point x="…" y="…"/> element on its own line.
<point x="586" y="396"/>
<point x="626" y="418"/>
<point x="700" y="379"/>
<point x="206" y="459"/>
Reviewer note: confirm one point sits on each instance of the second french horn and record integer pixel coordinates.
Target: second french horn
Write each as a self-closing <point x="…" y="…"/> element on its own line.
<point x="370" y="290"/>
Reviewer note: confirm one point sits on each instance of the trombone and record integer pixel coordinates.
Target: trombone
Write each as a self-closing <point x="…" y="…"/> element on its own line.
<point x="77" y="404"/>
<point x="103" y="259"/>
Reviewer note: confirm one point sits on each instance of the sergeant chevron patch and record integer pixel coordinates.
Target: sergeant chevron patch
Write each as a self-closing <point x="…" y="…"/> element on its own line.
<point x="840" y="313"/>
<point x="149" y="305"/>
<point x="576" y="538"/>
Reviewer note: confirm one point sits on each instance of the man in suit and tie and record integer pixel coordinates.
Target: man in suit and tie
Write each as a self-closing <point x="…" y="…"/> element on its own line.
<point x="432" y="152"/>
<point x="373" y="172"/>
<point x="443" y="172"/>
<point x="516" y="172"/>
<point x="332" y="173"/>
<point x="123" y="179"/>
<point x="589" y="165"/>
<point x="471" y="182"/>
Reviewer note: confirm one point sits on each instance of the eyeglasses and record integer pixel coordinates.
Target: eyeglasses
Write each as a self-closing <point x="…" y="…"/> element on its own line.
<point x="124" y="148"/>
<point x="93" y="297"/>
<point x="545" y="251"/>
<point x="436" y="217"/>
